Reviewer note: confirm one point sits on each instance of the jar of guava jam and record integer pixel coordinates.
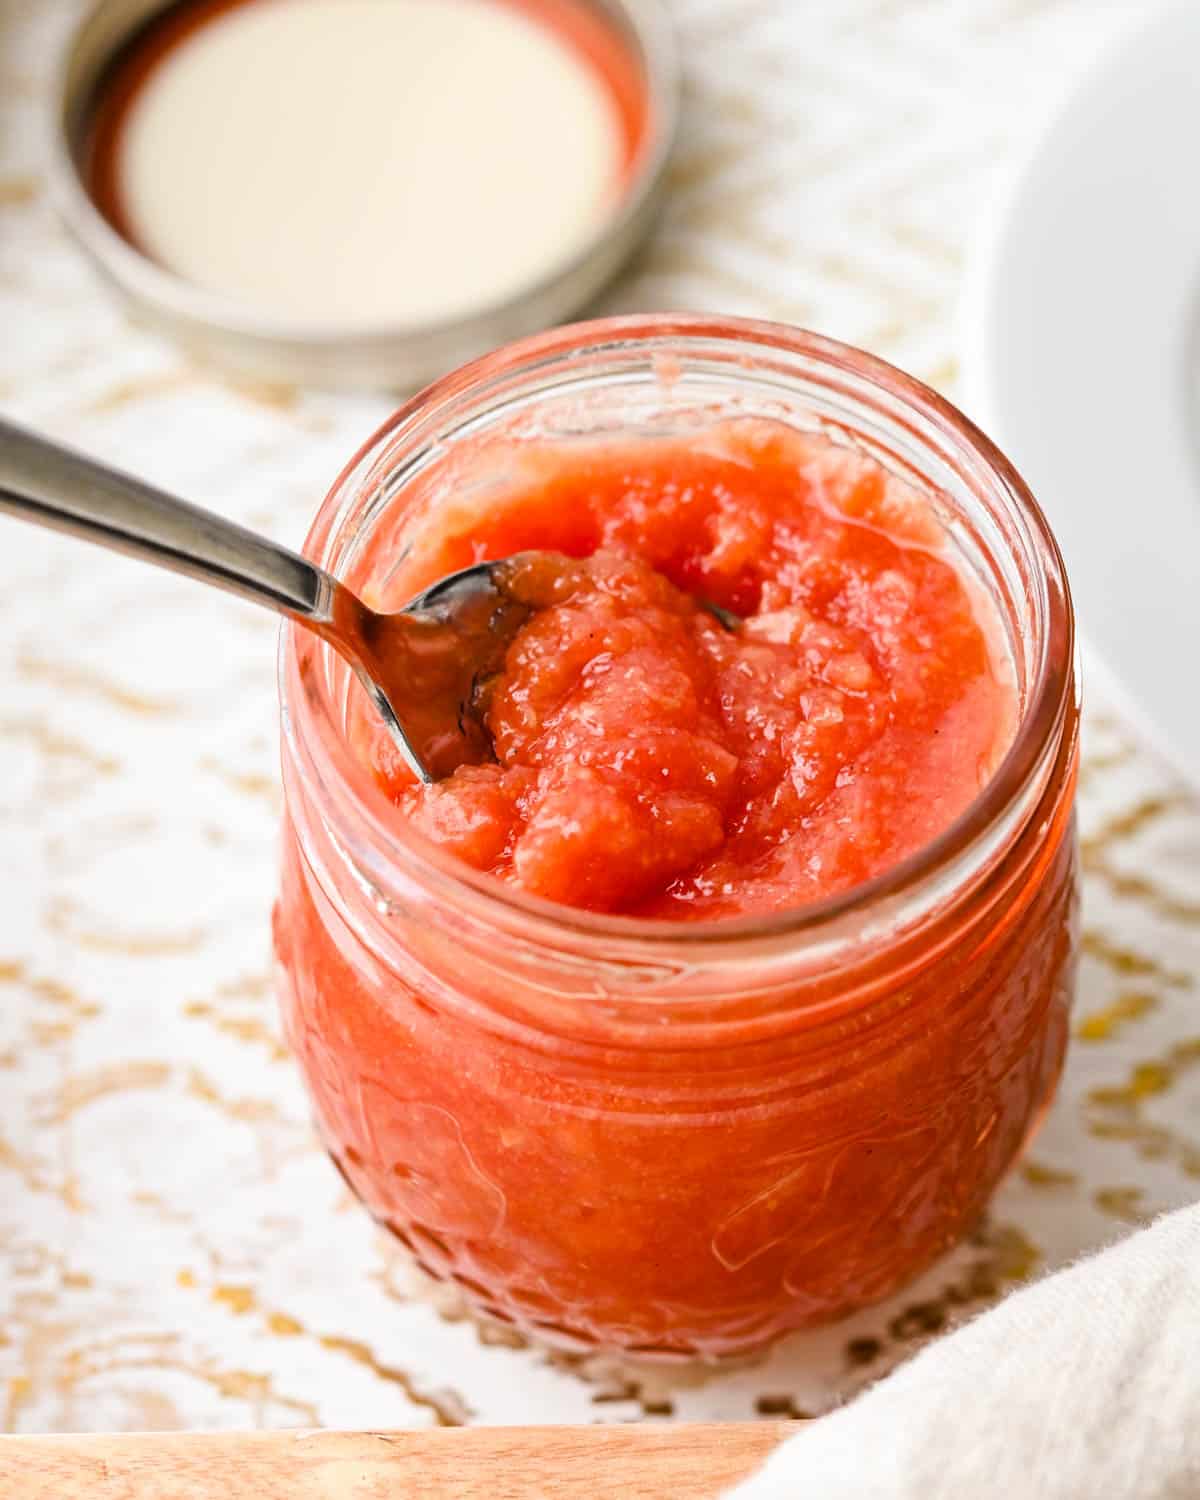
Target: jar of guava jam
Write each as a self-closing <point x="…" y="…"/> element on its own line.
<point x="680" y="1139"/>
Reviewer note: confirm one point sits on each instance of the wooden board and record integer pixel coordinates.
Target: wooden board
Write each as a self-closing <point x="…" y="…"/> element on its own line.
<point x="675" y="1462"/>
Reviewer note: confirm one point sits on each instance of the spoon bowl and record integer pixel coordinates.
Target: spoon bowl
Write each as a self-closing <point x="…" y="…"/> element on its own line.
<point x="428" y="668"/>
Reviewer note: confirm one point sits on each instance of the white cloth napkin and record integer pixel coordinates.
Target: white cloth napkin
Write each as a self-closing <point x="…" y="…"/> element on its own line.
<point x="1084" y="1386"/>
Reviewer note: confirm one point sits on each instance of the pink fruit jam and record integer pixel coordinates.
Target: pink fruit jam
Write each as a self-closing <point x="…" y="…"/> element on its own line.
<point x="654" y="762"/>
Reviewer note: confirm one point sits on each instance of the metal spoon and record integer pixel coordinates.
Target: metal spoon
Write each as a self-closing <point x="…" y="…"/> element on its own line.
<point x="425" y="667"/>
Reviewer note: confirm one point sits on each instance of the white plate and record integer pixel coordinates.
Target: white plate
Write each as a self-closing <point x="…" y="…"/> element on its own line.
<point x="1083" y="360"/>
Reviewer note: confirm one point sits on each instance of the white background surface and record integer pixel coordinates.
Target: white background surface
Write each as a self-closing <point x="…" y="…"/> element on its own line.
<point x="174" y="1250"/>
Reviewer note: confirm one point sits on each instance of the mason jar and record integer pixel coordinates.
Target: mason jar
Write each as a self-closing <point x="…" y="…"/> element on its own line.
<point x="680" y="1139"/>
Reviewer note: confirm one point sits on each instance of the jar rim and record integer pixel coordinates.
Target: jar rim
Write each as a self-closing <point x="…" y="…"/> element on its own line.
<point x="326" y="759"/>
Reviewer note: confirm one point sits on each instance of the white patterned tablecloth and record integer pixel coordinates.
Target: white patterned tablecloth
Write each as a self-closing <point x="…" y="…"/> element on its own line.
<point x="174" y="1249"/>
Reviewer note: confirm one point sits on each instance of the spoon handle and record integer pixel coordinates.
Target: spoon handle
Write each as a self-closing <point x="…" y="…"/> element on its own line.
<point x="42" y="482"/>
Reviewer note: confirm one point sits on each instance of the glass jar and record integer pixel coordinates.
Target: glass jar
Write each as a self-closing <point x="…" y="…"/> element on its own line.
<point x="675" y="1139"/>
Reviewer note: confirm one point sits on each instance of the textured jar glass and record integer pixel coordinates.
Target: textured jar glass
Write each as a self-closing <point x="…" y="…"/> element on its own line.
<point x="677" y="1139"/>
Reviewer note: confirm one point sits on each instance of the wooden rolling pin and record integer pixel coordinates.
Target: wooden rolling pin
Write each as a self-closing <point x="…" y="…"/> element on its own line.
<point x="668" y="1462"/>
